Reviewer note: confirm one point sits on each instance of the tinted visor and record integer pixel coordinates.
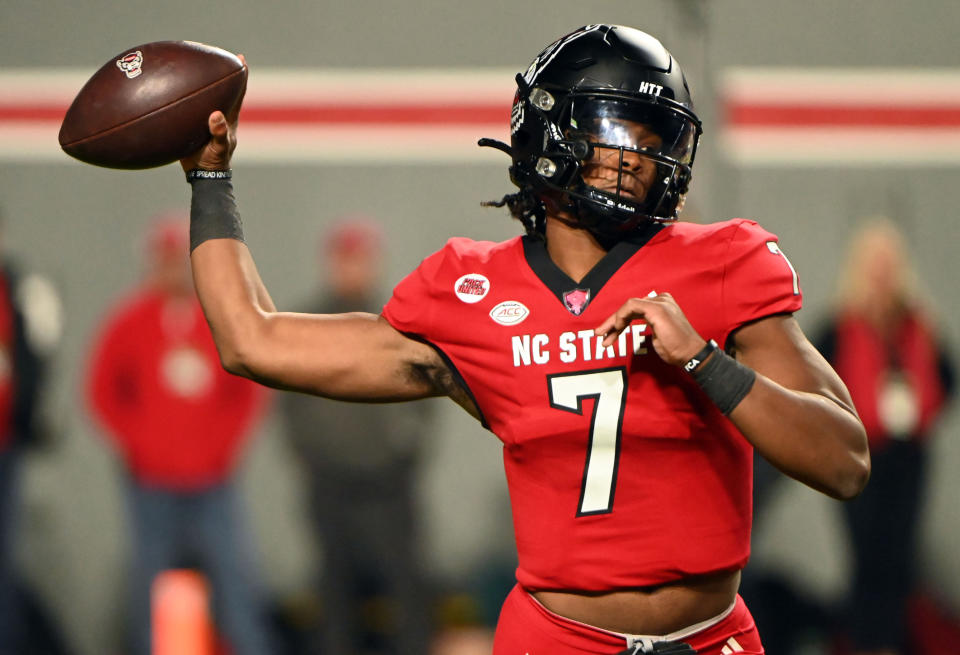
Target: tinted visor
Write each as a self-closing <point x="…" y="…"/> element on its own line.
<point x="656" y="130"/>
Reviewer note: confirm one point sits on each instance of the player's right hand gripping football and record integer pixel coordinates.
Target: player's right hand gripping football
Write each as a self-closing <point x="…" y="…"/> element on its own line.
<point x="216" y="154"/>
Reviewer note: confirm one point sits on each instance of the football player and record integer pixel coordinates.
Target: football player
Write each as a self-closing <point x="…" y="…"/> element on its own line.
<point x="628" y="362"/>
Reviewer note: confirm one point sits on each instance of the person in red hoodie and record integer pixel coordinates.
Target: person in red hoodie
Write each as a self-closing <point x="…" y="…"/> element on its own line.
<point x="178" y="423"/>
<point x="883" y="341"/>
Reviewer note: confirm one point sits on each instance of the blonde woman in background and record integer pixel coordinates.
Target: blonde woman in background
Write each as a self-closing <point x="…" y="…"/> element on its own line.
<point x="883" y="342"/>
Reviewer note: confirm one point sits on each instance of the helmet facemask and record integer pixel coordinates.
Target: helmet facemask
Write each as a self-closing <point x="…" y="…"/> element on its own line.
<point x="620" y="160"/>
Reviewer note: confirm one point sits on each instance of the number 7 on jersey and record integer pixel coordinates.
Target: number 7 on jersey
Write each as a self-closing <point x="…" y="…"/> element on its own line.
<point x="608" y="389"/>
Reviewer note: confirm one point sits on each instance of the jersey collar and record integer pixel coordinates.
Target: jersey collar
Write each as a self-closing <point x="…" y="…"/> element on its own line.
<point x="575" y="296"/>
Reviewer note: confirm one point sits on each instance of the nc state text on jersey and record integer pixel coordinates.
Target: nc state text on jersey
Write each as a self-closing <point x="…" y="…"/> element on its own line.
<point x="584" y="346"/>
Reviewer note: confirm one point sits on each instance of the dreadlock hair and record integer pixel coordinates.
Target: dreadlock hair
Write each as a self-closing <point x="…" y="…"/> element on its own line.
<point x="526" y="207"/>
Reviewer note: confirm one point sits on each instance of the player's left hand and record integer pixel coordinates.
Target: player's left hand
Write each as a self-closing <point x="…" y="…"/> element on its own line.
<point x="673" y="337"/>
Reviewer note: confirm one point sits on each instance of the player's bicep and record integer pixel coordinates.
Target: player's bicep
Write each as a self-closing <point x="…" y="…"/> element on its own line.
<point x="776" y="348"/>
<point x="346" y="356"/>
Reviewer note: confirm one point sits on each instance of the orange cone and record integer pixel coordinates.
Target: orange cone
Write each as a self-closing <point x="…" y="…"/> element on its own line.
<point x="181" y="614"/>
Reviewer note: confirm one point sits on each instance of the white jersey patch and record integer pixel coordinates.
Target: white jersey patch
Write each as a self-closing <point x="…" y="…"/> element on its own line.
<point x="472" y="288"/>
<point x="509" y="312"/>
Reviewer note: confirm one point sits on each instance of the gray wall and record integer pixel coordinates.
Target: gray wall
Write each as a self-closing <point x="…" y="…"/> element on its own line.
<point x="81" y="224"/>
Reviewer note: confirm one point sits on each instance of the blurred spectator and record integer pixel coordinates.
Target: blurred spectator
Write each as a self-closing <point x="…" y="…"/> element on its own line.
<point x="361" y="465"/>
<point x="30" y="327"/>
<point x="466" y="641"/>
<point x="883" y="342"/>
<point x="178" y="422"/>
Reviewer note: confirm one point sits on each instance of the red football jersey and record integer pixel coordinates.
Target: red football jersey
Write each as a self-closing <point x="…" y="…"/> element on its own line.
<point x="621" y="472"/>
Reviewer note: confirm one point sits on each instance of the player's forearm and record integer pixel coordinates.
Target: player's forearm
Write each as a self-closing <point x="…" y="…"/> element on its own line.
<point x="233" y="298"/>
<point x="808" y="436"/>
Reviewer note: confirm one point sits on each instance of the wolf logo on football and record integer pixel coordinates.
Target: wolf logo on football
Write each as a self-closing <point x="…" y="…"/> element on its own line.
<point x="131" y="64"/>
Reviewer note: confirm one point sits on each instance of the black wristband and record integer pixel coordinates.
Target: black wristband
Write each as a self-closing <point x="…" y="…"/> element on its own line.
<point x="204" y="174"/>
<point x="725" y="380"/>
<point x="213" y="210"/>
<point x="697" y="359"/>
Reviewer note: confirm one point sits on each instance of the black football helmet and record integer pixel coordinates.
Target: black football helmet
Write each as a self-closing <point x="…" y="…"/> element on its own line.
<point x="608" y="103"/>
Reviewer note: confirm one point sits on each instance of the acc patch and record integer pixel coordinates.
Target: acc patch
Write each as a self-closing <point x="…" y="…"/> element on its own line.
<point x="472" y="288"/>
<point x="509" y="312"/>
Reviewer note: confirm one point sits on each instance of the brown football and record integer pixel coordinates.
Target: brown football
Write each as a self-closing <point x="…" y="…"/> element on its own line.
<point x="148" y="106"/>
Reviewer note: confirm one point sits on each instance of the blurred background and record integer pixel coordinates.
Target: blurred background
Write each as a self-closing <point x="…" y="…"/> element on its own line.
<point x="781" y="87"/>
